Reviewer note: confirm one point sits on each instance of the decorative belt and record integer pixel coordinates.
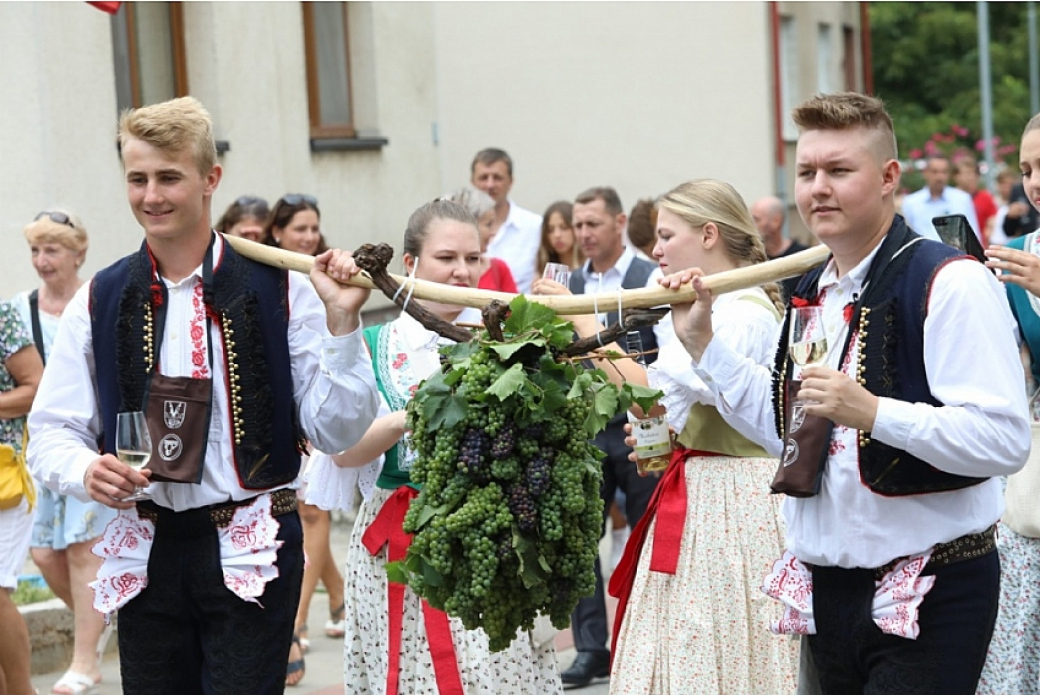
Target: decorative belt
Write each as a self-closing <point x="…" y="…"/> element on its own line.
<point x="967" y="547"/>
<point x="283" y="501"/>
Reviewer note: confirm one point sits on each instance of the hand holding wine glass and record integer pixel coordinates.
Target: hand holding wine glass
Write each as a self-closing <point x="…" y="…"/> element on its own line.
<point x="133" y="446"/>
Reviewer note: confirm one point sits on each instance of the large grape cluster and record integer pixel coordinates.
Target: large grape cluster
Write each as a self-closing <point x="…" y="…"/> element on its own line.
<point x="507" y="523"/>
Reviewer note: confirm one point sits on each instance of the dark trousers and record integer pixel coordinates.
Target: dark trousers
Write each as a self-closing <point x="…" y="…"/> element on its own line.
<point x="187" y="633"/>
<point x="589" y="619"/>
<point x="956" y="621"/>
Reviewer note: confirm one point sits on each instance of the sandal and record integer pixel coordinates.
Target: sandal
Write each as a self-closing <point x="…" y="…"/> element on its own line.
<point x="305" y="644"/>
<point x="295" y="666"/>
<point x="75" y="683"/>
<point x="336" y="627"/>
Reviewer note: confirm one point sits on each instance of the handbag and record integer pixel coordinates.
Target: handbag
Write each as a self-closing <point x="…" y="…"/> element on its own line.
<point x="15" y="481"/>
<point x="1023" y="514"/>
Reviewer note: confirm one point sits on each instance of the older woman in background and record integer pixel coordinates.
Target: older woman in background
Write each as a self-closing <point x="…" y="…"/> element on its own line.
<point x="65" y="529"/>
<point x="494" y="273"/>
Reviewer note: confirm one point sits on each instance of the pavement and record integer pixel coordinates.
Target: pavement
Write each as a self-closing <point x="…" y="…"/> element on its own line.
<point x="324" y="661"/>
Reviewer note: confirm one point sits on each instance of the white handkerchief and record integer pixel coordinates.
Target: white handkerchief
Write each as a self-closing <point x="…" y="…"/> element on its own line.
<point x="124" y="546"/>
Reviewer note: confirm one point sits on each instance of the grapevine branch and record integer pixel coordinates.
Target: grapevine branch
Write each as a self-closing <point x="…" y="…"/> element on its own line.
<point x="375" y="258"/>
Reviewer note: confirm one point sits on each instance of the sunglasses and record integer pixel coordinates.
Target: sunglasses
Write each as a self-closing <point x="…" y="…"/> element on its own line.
<point x="56" y="217"/>
<point x="246" y="200"/>
<point x="297" y="198"/>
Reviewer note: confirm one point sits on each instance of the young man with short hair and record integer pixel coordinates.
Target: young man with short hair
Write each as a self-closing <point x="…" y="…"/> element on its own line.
<point x="235" y="366"/>
<point x="893" y="545"/>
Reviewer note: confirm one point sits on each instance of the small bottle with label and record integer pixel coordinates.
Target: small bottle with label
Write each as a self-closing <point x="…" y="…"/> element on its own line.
<point x="653" y="445"/>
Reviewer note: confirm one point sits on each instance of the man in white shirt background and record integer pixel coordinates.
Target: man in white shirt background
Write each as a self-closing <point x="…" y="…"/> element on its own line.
<point x="919" y="433"/>
<point x="518" y="232"/>
<point x="937" y="198"/>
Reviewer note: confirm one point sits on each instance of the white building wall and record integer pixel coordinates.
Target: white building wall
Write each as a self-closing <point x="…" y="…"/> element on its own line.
<point x="637" y="95"/>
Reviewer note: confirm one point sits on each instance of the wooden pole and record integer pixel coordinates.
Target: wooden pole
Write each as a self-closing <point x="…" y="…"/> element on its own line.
<point x="643" y="298"/>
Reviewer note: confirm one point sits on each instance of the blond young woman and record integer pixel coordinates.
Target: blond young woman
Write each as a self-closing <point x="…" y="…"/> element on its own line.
<point x="691" y="616"/>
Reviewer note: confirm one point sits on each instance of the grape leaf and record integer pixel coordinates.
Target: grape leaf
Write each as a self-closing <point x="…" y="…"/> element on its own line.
<point x="581" y="382"/>
<point x="526" y="316"/>
<point x="509" y="383"/>
<point x="396" y="573"/>
<point x="606" y="402"/>
<point x="531" y="571"/>
<point x="431" y="576"/>
<point x="594" y="423"/>
<point x="643" y="396"/>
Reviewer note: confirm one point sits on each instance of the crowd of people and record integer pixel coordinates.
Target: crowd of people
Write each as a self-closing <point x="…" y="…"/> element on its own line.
<point x="887" y="565"/>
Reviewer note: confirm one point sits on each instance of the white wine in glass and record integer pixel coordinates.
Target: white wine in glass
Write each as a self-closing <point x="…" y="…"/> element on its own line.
<point x="808" y="343"/>
<point x="133" y="446"/>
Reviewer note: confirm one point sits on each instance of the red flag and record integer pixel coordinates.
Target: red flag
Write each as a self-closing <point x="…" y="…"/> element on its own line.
<point x="109" y="7"/>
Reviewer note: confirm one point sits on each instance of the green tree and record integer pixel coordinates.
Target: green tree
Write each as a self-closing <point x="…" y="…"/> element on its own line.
<point x="926" y="68"/>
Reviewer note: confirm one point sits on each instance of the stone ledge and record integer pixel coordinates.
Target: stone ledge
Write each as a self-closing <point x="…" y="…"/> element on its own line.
<point x="51" y="631"/>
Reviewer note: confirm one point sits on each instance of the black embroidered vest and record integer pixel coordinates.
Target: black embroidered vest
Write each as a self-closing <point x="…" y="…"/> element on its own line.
<point x="250" y="304"/>
<point x="889" y="323"/>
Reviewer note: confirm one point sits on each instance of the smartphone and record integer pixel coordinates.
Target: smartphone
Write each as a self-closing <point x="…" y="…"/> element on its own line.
<point x="956" y="231"/>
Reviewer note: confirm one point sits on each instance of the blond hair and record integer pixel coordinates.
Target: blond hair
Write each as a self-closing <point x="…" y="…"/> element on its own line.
<point x="45" y="230"/>
<point x="1033" y="124"/>
<point x="706" y="200"/>
<point x="847" y="110"/>
<point x="171" y="127"/>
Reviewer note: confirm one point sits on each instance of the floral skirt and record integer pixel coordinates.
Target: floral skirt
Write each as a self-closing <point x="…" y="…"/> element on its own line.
<point x="1013" y="663"/>
<point x="705" y="629"/>
<point x="524" y="668"/>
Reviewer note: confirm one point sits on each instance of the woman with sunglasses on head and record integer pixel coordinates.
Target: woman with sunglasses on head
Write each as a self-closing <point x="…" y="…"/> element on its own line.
<point x="294" y="224"/>
<point x="426" y="652"/>
<point x="65" y="528"/>
<point x="245" y="218"/>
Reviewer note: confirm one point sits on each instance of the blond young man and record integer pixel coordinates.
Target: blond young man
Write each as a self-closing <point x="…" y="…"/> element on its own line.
<point x="235" y="365"/>
<point x="895" y="546"/>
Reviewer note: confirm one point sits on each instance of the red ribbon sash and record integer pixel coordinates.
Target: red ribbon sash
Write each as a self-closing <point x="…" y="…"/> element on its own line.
<point x="388" y="529"/>
<point x="668" y="506"/>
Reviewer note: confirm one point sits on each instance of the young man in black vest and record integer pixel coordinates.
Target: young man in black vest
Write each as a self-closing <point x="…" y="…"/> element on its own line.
<point x="895" y="544"/>
<point x="599" y="222"/>
<point x="235" y="366"/>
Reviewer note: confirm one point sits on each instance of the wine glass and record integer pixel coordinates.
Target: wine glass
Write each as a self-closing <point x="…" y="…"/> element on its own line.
<point x="133" y="446"/>
<point x="808" y="343"/>
<point x="560" y="272"/>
